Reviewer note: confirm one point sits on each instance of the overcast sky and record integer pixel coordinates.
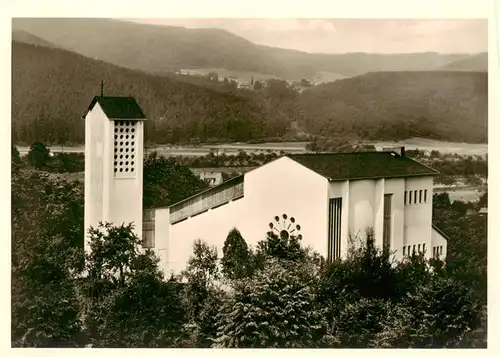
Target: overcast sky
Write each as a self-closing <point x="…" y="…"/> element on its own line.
<point x="352" y="35"/>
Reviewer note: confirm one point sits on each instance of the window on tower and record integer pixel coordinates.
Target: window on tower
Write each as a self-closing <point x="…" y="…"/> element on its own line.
<point x="124" y="148"/>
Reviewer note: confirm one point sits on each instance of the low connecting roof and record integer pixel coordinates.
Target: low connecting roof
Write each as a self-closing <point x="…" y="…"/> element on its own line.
<point x="118" y="108"/>
<point x="362" y="165"/>
<point x="440" y="232"/>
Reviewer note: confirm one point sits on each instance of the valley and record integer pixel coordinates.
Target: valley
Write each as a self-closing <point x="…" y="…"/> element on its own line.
<point x="288" y="147"/>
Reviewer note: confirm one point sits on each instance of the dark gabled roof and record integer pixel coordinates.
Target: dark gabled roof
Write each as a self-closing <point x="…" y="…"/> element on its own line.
<point x="122" y="108"/>
<point x="362" y="165"/>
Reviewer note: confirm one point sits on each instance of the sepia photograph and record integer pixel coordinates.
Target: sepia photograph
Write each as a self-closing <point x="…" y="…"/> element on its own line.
<point x="249" y="182"/>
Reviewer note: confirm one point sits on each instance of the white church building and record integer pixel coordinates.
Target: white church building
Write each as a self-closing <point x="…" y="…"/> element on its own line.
<point x="326" y="198"/>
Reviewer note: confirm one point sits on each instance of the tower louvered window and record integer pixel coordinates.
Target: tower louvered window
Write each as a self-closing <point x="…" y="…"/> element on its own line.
<point x="125" y="148"/>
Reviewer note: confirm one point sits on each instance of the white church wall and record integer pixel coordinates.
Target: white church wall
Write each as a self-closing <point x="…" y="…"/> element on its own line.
<point x="95" y="123"/>
<point x="280" y="187"/>
<point x="378" y="210"/>
<point x="286" y="187"/>
<point x="396" y="187"/>
<point x="341" y="189"/>
<point x="439" y="245"/>
<point x="107" y="169"/>
<point x="418" y="216"/>
<point x="212" y="227"/>
<point x="126" y="203"/>
<point x="162" y="235"/>
<point x="361" y="207"/>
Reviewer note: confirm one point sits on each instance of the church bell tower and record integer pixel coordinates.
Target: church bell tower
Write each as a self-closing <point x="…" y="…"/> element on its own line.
<point x="114" y="132"/>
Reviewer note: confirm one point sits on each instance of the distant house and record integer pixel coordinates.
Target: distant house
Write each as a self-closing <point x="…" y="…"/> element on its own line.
<point x="301" y="86"/>
<point x="215" y="175"/>
<point x="327" y="199"/>
<point x="244" y="85"/>
<point x="483" y="211"/>
<point x="211" y="176"/>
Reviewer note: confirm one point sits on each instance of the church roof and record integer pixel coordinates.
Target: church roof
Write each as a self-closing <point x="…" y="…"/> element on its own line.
<point x="121" y="108"/>
<point x="345" y="166"/>
<point x="362" y="165"/>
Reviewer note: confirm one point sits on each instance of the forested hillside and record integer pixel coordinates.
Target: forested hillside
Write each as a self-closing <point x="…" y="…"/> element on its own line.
<point x="166" y="48"/>
<point x="51" y="89"/>
<point x="387" y="105"/>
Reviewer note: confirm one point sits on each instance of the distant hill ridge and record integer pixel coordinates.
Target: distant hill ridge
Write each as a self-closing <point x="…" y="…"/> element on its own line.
<point x="26" y="37"/>
<point x="157" y="49"/>
<point x="477" y="62"/>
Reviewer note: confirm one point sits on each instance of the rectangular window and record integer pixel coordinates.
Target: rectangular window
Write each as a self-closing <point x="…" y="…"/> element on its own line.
<point x="415" y="196"/>
<point x="334" y="228"/>
<point x="387" y="221"/>
<point x="404" y="250"/>
<point x="423" y="248"/>
<point x="406" y="196"/>
<point x="409" y="197"/>
<point x="148" y="228"/>
<point x="425" y="196"/>
<point x="419" y="248"/>
<point x="420" y="196"/>
<point x="413" y="248"/>
<point x="438" y="251"/>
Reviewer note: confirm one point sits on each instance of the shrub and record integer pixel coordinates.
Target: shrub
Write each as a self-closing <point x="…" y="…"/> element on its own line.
<point x="439" y="314"/>
<point x="275" y="308"/>
<point x="366" y="272"/>
<point x="359" y="321"/>
<point x="127" y="303"/>
<point x="237" y="259"/>
<point x="38" y="155"/>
